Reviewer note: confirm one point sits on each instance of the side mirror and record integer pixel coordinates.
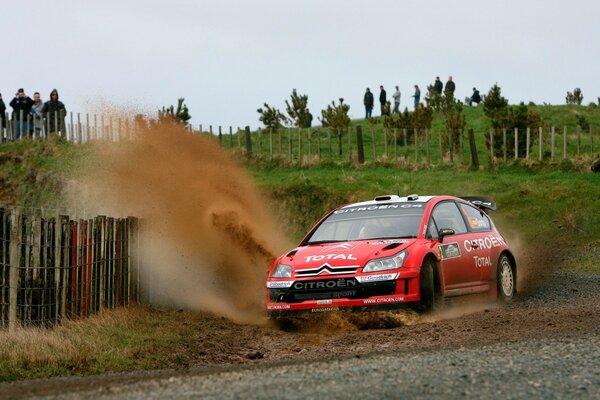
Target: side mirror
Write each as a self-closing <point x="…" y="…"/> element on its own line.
<point x="445" y="232"/>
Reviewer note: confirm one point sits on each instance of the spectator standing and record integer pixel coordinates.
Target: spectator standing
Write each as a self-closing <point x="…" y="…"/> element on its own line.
<point x="369" y="102"/>
<point x="21" y="105"/>
<point x="54" y="113"/>
<point x="475" y="97"/>
<point x="438" y="85"/>
<point x="2" y="118"/>
<point x="417" y="96"/>
<point x="36" y="115"/>
<point x="450" y="86"/>
<point x="396" y="97"/>
<point x="382" y="99"/>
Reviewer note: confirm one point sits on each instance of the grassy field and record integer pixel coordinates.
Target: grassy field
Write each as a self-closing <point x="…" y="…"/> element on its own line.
<point x="553" y="204"/>
<point x="344" y="148"/>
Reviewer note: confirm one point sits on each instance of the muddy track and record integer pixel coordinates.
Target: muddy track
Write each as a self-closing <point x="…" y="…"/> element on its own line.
<point x="565" y="305"/>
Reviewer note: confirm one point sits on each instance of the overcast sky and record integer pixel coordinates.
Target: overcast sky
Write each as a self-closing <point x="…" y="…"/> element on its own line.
<point x="228" y="57"/>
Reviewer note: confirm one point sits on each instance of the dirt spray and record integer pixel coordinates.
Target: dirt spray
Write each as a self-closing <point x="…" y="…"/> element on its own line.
<point x="207" y="237"/>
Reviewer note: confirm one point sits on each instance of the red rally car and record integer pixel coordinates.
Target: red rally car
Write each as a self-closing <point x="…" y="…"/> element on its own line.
<point x="394" y="251"/>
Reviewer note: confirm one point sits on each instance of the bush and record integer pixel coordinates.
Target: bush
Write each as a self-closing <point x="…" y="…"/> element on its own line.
<point x="574" y="98"/>
<point x="336" y="116"/>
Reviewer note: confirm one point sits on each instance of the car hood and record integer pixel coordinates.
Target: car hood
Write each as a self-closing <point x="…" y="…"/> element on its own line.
<point x="318" y="257"/>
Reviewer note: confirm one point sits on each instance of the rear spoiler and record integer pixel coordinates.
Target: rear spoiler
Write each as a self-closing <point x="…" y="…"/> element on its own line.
<point x="484" y="203"/>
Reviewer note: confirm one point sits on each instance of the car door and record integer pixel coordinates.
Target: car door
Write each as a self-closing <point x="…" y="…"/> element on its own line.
<point x="481" y="246"/>
<point x="457" y="272"/>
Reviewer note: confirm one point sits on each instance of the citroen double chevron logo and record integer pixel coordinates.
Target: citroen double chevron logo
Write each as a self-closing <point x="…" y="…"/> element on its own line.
<point x="327" y="269"/>
<point x="340" y="246"/>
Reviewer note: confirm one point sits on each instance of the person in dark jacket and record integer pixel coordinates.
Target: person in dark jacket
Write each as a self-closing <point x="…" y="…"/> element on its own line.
<point x="450" y="86"/>
<point x="417" y="96"/>
<point x="368" y="102"/>
<point x="21" y="105"/>
<point x="382" y="99"/>
<point x="54" y="113"/>
<point x="438" y="86"/>
<point x="475" y="97"/>
<point x="2" y="117"/>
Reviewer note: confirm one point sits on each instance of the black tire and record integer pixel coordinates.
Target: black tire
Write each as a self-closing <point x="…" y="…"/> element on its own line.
<point x="427" y="288"/>
<point x="506" y="281"/>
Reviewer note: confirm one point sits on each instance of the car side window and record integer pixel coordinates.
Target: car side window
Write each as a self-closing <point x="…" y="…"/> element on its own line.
<point x="447" y="216"/>
<point x="476" y="219"/>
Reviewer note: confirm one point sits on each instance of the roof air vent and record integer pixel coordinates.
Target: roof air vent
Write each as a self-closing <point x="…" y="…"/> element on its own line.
<point x="413" y="197"/>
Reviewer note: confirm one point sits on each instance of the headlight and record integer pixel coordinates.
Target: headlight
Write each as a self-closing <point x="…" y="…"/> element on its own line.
<point x="382" y="264"/>
<point x="282" y="271"/>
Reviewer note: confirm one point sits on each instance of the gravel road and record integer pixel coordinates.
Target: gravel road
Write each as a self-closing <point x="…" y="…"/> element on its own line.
<point x="544" y="345"/>
<point x="550" y="368"/>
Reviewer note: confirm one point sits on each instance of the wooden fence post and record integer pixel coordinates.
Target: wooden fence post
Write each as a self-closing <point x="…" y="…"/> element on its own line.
<point x="339" y="133"/>
<point x="220" y="136"/>
<point x="428" y="153"/>
<point x="552" y="143"/>
<point x="300" y="146"/>
<point x="271" y="143"/>
<point x="290" y="144"/>
<point x="248" y="142"/>
<point x="504" y="145"/>
<point x="14" y="266"/>
<point x="473" y="146"/>
<point x="259" y="133"/>
<point x="516" y="143"/>
<point x="309" y="137"/>
<point x="385" y="144"/>
<point x="541" y="149"/>
<point x="527" y="143"/>
<point x="578" y="141"/>
<point x="373" y="144"/>
<point x="441" y="145"/>
<point x="350" y="143"/>
<point x="395" y="145"/>
<point x="329" y="147"/>
<point x="416" y="145"/>
<point x="492" y="158"/>
<point x="359" y="145"/>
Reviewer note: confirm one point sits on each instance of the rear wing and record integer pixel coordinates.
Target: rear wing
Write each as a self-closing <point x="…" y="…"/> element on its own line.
<point x="484" y="203"/>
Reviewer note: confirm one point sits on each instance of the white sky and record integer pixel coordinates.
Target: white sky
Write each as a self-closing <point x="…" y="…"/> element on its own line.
<point x="228" y="57"/>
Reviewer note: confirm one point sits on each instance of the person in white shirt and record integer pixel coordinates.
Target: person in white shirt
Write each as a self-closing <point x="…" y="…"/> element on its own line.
<point x="396" y="97"/>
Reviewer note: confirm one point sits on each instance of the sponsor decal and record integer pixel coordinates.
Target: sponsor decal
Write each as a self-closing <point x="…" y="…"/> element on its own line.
<point x="487" y="242"/>
<point x="324" y="302"/>
<point x="279" y="284"/>
<point x="387" y="241"/>
<point x="277" y="307"/>
<point x="482" y="261"/>
<point x="449" y="250"/>
<point x="332" y="284"/>
<point x="377" y="278"/>
<point x="373" y="208"/>
<point x="330" y="257"/>
<point x="325" y="309"/>
<point x="383" y="300"/>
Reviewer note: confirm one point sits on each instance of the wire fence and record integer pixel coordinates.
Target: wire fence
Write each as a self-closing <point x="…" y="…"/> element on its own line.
<point x="55" y="268"/>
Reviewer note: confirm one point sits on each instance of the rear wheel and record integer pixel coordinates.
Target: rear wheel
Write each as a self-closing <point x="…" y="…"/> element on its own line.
<point x="506" y="279"/>
<point x="427" y="288"/>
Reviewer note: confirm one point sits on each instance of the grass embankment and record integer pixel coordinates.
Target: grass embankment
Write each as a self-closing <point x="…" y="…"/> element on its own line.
<point x="374" y="140"/>
<point x="536" y="204"/>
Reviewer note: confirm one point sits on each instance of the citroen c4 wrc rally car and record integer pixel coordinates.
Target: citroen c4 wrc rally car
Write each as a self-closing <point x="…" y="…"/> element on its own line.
<point x="392" y="252"/>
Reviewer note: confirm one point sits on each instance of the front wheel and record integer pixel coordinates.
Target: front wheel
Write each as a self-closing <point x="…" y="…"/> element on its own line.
<point x="427" y="288"/>
<point x="506" y="279"/>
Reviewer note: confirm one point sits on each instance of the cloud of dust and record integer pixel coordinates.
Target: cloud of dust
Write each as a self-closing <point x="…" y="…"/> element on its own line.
<point x="207" y="237"/>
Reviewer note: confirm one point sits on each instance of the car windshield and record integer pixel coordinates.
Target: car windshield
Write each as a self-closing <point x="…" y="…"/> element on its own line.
<point x="385" y="221"/>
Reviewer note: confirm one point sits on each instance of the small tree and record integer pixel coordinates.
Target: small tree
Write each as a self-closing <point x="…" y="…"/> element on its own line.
<point x="455" y="118"/>
<point x="433" y="98"/>
<point x="271" y="117"/>
<point x="298" y="109"/>
<point x="574" y="98"/>
<point x="336" y="116"/>
<point x="180" y="115"/>
<point x="495" y="106"/>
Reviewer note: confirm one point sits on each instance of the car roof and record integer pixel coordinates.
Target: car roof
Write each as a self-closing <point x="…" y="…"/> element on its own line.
<point x="392" y="199"/>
